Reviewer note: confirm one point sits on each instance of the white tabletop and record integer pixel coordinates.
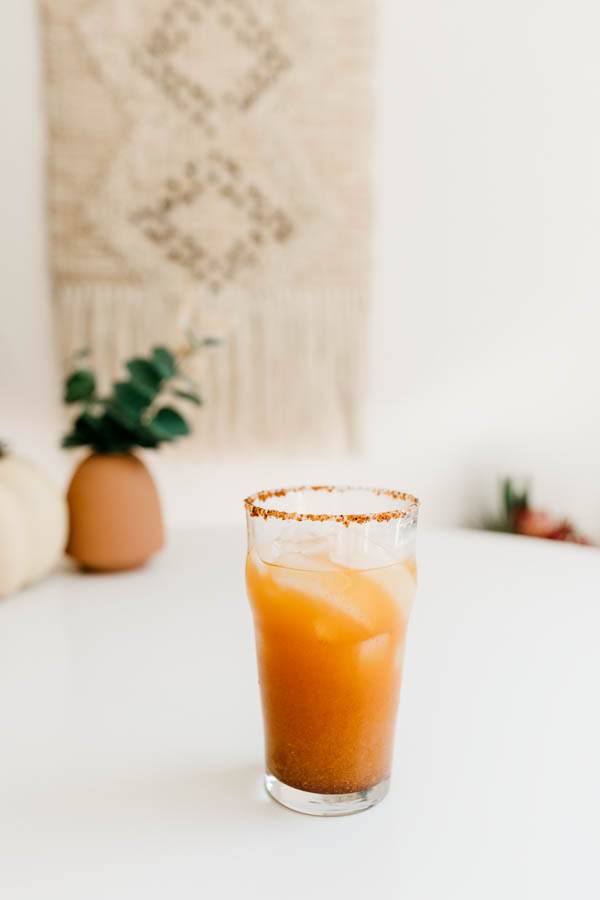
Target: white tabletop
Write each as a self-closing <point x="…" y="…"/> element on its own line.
<point x="131" y="743"/>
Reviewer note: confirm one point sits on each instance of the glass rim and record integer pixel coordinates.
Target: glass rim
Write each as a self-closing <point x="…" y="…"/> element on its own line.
<point x="408" y="512"/>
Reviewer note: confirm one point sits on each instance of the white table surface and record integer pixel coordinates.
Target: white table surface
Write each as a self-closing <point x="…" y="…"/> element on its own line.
<point x="131" y="742"/>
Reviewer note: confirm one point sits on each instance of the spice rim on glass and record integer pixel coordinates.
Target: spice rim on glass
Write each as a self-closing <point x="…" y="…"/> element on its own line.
<point x="331" y="577"/>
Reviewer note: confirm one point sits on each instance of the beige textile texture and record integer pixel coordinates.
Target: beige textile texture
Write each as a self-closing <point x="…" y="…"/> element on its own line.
<point x="209" y="167"/>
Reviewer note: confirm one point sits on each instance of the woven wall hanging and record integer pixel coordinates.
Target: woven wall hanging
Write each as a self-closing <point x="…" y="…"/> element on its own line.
<point x="209" y="167"/>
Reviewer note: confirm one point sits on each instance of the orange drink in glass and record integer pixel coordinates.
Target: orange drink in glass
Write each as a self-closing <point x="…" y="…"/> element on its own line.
<point x="331" y="577"/>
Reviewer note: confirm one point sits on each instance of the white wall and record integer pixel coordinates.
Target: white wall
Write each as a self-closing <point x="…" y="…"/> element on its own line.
<point x="28" y="377"/>
<point x="488" y="304"/>
<point x="486" y="314"/>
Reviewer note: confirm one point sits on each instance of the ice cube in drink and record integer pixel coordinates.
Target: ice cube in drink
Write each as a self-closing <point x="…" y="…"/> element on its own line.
<point x="330" y="645"/>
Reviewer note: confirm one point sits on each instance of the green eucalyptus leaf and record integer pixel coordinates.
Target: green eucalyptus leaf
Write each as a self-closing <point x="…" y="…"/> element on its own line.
<point x="131" y="399"/>
<point x="73" y="439"/>
<point x="145" y="376"/>
<point x="80" y="386"/>
<point x="121" y="417"/>
<point x="507" y="491"/>
<point x="79" y="436"/>
<point x="101" y="433"/>
<point x="164" y="361"/>
<point x="189" y="395"/>
<point x="168" y="424"/>
<point x="146" y="438"/>
<point x="118" y="437"/>
<point x="131" y="429"/>
<point x="90" y="429"/>
<point x="137" y="432"/>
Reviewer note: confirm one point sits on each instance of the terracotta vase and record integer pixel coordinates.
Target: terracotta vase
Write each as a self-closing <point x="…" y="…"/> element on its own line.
<point x="114" y="512"/>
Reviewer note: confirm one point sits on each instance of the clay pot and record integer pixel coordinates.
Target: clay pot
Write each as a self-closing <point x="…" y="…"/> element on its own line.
<point x="114" y="512"/>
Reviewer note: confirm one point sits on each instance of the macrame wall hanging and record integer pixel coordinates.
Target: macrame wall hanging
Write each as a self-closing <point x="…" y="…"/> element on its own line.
<point x="209" y="168"/>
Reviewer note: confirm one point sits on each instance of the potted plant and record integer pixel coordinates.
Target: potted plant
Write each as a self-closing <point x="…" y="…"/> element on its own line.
<point x="517" y="516"/>
<point x="115" y="519"/>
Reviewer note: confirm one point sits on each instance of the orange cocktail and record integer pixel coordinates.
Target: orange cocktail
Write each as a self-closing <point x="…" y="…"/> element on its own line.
<point x="330" y="611"/>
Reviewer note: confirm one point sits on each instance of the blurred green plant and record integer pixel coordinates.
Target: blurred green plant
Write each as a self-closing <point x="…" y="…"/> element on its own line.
<point x="512" y="504"/>
<point x="134" y="414"/>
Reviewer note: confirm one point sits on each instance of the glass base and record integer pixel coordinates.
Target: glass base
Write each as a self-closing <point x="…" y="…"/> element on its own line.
<point x="325" y="804"/>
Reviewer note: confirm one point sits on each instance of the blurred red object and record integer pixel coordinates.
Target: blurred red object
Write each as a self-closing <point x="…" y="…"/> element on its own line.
<point x="536" y="523"/>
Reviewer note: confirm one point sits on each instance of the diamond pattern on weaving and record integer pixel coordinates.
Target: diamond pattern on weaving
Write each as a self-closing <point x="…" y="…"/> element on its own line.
<point x="179" y="223"/>
<point x="189" y="31"/>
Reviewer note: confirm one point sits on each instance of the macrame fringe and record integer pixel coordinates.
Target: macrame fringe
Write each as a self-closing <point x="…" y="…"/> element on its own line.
<point x="286" y="373"/>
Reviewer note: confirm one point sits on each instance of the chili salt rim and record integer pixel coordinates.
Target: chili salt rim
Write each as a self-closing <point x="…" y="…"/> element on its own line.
<point x="410" y="513"/>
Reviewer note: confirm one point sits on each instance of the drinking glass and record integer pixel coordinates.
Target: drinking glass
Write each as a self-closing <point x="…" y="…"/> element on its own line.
<point x="331" y="577"/>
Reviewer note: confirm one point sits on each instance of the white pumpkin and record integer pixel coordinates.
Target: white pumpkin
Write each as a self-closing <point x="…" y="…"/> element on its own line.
<point x="33" y="523"/>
